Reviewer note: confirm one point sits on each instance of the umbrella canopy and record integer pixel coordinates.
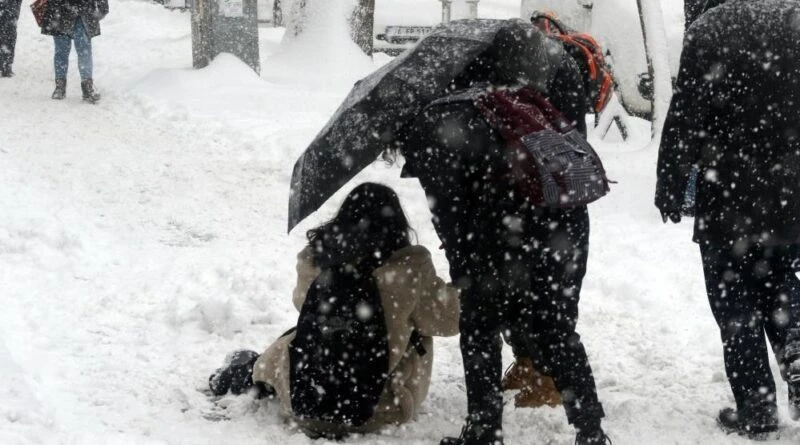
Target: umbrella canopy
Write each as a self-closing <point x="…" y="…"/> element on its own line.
<point x="371" y="117"/>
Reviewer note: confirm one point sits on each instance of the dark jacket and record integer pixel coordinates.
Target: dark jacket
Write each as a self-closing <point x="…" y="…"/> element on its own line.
<point x="60" y="16"/>
<point x="734" y="115"/>
<point x="459" y="161"/>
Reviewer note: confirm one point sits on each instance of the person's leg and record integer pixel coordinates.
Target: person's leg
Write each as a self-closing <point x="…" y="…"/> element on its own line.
<point x="63" y="45"/>
<point x="781" y="289"/>
<point x="558" y="271"/>
<point x="9" y="14"/>
<point x="779" y="300"/>
<point x="733" y="293"/>
<point x="481" y="349"/>
<point x="83" y="46"/>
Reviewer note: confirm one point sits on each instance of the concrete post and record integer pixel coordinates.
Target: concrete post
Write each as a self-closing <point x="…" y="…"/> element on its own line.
<point x="229" y="26"/>
<point x="446" y="8"/>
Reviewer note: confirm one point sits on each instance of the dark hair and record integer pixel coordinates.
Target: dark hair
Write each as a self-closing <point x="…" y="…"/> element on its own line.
<point x="370" y="225"/>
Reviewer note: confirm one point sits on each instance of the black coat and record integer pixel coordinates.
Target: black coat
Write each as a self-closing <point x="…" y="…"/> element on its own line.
<point x="459" y="161"/>
<point x="735" y="115"/>
<point x="60" y="16"/>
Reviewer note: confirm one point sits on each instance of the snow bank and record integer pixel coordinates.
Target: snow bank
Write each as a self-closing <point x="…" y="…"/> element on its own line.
<point x="323" y="53"/>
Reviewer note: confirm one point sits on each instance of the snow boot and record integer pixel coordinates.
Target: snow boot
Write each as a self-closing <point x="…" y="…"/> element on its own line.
<point x="90" y="95"/>
<point x="235" y="375"/>
<point x="755" y="427"/>
<point x="61" y="89"/>
<point x="6" y="72"/>
<point x="540" y="391"/>
<point x="518" y="375"/>
<point x="476" y="434"/>
<point x="598" y="438"/>
<point x="590" y="433"/>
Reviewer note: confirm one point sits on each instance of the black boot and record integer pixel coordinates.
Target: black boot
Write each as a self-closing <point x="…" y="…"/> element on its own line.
<point x="61" y="89"/>
<point x="235" y="375"/>
<point x="90" y="95"/>
<point x="590" y="433"/>
<point x="476" y="434"/>
<point x="6" y="72"/>
<point x="761" y="426"/>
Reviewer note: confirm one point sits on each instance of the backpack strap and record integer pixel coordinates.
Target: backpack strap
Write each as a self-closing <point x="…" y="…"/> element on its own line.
<point x="600" y="76"/>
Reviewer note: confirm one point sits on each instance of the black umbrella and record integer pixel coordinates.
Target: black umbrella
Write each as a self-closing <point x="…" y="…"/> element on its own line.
<point x="378" y="106"/>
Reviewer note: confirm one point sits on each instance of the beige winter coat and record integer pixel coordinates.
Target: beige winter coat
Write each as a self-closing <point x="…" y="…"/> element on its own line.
<point x="413" y="297"/>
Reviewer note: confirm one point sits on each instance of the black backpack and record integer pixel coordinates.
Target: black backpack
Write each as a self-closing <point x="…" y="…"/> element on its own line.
<point x="339" y="359"/>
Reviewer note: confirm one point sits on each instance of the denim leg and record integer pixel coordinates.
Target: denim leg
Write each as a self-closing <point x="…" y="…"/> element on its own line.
<point x="83" y="46"/>
<point x="63" y="46"/>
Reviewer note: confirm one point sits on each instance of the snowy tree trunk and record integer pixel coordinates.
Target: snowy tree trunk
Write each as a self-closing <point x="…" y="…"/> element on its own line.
<point x="655" y="41"/>
<point x="201" y="34"/>
<point x="362" y="25"/>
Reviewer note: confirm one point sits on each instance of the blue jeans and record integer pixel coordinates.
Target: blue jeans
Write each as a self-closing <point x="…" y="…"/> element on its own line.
<point x="83" y="46"/>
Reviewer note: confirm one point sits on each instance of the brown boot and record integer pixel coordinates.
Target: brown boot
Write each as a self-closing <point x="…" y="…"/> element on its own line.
<point x="540" y="391"/>
<point x="90" y="95"/>
<point x="518" y="375"/>
<point x="61" y="89"/>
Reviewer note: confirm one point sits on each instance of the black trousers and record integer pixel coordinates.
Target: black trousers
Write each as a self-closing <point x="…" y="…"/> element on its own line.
<point x="9" y="14"/>
<point x="752" y="293"/>
<point x="529" y="291"/>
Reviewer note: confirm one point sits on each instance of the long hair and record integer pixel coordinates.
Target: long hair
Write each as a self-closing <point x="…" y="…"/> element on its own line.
<point x="370" y="225"/>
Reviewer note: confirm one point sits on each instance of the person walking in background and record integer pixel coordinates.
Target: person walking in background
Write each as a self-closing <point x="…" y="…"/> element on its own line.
<point x="75" y="21"/>
<point x="9" y="14"/>
<point x="733" y="116"/>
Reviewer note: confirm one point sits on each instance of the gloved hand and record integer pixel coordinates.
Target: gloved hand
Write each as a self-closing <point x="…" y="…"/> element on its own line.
<point x="672" y="215"/>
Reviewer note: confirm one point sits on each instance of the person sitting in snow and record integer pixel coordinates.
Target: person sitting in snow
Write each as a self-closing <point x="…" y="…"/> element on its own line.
<point x="369" y="234"/>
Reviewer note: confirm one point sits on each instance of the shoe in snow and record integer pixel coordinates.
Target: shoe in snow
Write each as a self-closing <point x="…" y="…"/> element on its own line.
<point x="61" y="89"/>
<point x="90" y="95"/>
<point x="518" y="375"/>
<point x="475" y="434"/>
<point x="541" y="391"/>
<point x="762" y="427"/>
<point x="235" y="375"/>
<point x="594" y="436"/>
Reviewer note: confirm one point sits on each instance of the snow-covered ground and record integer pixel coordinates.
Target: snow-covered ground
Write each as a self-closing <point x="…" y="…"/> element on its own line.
<point x="144" y="238"/>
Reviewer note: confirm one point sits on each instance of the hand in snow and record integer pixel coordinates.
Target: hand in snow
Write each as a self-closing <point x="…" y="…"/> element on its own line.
<point x="672" y="215"/>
